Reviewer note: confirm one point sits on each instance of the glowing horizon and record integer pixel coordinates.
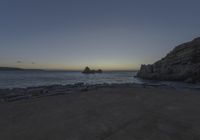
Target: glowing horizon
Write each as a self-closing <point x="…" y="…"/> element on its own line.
<point x="110" y="35"/>
<point x="76" y="68"/>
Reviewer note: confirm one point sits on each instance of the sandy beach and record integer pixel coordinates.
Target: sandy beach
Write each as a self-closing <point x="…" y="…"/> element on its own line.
<point x="108" y="113"/>
<point x="99" y="70"/>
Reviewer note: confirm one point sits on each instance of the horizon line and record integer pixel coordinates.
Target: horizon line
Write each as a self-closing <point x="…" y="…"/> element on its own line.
<point x="61" y="69"/>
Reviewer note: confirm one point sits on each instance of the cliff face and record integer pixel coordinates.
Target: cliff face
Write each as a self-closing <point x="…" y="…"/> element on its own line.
<point x="181" y="64"/>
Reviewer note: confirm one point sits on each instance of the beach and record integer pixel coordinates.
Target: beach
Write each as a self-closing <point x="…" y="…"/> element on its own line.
<point x="104" y="112"/>
<point x="99" y="70"/>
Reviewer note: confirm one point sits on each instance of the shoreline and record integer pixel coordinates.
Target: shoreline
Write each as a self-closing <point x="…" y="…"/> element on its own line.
<point x="102" y="112"/>
<point x="15" y="94"/>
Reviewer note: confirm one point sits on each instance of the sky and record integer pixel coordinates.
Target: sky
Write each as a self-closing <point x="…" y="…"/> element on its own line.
<point x="106" y="34"/>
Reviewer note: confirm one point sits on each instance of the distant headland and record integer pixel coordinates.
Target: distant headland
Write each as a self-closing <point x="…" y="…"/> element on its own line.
<point x="17" y="69"/>
<point x="87" y="70"/>
<point x="9" y="68"/>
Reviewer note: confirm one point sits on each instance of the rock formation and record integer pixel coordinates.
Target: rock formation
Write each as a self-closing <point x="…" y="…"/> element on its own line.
<point x="181" y="64"/>
<point x="87" y="70"/>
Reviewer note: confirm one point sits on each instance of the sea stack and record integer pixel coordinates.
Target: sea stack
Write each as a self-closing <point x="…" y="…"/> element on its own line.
<point x="181" y="64"/>
<point x="87" y="70"/>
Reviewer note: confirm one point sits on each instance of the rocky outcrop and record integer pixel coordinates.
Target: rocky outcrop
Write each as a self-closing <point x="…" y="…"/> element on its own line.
<point x="87" y="70"/>
<point x="181" y="64"/>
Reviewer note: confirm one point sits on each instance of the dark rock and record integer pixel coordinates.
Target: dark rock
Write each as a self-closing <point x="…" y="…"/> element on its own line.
<point x="16" y="98"/>
<point x="99" y="71"/>
<point x="87" y="70"/>
<point x="181" y="64"/>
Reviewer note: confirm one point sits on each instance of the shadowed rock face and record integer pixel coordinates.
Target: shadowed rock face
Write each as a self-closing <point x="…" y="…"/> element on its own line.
<point x="181" y="64"/>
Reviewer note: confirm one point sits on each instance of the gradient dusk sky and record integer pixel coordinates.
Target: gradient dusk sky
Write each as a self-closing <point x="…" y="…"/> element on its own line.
<point x="106" y="34"/>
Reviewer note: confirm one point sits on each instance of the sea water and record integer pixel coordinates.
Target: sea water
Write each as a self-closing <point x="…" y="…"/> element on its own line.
<point x="22" y="79"/>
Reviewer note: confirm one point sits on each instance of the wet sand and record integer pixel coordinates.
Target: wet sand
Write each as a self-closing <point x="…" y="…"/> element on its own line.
<point x="107" y="113"/>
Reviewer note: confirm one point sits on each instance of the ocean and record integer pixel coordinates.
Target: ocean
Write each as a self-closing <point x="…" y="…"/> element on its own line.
<point x="23" y="79"/>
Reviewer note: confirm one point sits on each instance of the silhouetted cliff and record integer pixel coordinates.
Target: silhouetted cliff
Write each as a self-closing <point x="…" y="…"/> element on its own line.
<point x="181" y="64"/>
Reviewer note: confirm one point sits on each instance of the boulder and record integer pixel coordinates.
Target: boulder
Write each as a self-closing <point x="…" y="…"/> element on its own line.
<point x="181" y="64"/>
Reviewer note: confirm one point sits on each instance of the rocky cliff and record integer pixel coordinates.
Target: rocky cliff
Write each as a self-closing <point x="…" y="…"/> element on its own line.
<point x="181" y="64"/>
